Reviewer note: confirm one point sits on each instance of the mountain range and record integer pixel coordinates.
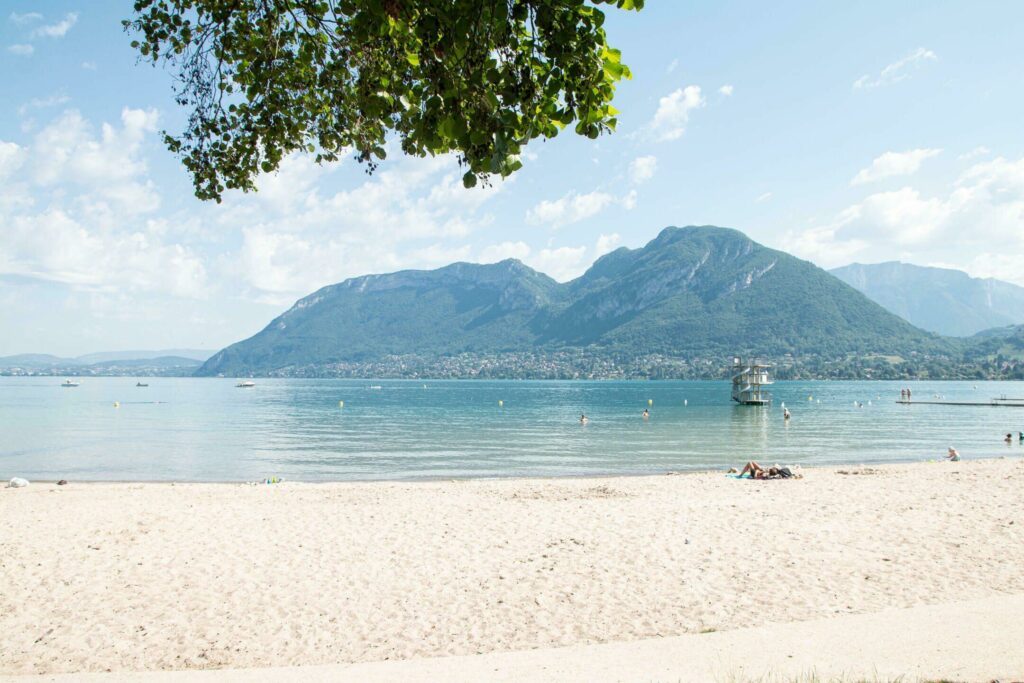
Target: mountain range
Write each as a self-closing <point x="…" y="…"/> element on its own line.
<point x="160" y="358"/>
<point x="940" y="300"/>
<point x="693" y="291"/>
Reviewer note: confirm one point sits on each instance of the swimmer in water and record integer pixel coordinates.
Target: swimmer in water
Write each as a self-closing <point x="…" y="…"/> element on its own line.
<point x="584" y="419"/>
<point x="1009" y="438"/>
<point x="785" y="414"/>
<point x="647" y="413"/>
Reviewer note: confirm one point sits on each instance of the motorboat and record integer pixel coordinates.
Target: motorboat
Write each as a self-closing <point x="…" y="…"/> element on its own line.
<point x="68" y="383"/>
<point x="246" y="384"/>
<point x="140" y="384"/>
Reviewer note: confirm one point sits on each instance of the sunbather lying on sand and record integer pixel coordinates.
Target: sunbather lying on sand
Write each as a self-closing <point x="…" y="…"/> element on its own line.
<point x="756" y="471"/>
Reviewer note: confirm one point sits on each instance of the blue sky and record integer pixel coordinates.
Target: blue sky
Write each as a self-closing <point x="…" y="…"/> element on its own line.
<point x="839" y="132"/>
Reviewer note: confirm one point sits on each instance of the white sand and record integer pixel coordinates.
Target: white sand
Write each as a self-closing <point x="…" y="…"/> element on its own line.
<point x="132" y="577"/>
<point x="977" y="640"/>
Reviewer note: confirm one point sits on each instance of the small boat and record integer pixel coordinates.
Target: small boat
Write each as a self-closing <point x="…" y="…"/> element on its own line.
<point x="246" y="384"/>
<point x="140" y="384"/>
<point x="69" y="383"/>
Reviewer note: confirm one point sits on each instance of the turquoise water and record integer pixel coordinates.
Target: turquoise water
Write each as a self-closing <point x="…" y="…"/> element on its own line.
<point x="206" y="429"/>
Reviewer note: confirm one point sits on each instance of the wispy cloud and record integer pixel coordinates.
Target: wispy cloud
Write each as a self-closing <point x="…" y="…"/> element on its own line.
<point x="54" y="100"/>
<point x="26" y="18"/>
<point x="672" y="66"/>
<point x="763" y="198"/>
<point x="979" y="151"/>
<point x="894" y="164"/>
<point x="897" y="71"/>
<point x="642" y="169"/>
<point x="58" y="30"/>
<point x="669" y="122"/>
<point x="570" y="208"/>
<point x="21" y="49"/>
<point x="726" y="90"/>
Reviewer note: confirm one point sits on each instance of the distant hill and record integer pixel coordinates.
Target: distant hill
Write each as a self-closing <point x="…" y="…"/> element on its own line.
<point x="159" y="362"/>
<point x="940" y="300"/>
<point x="31" y="360"/>
<point x="690" y="291"/>
<point x="180" y="357"/>
<point x="103" y="356"/>
<point x="1000" y="341"/>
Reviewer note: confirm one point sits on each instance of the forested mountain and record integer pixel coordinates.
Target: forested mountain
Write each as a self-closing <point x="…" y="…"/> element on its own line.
<point x="940" y="300"/>
<point x="690" y="291"/>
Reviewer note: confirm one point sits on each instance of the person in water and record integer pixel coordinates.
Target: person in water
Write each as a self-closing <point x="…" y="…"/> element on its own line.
<point x="647" y="413"/>
<point x="785" y="414"/>
<point x="584" y="419"/>
<point x="1009" y="438"/>
<point x="952" y="455"/>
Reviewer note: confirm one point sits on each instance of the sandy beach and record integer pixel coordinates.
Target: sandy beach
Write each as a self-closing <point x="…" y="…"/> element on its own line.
<point x="138" y="577"/>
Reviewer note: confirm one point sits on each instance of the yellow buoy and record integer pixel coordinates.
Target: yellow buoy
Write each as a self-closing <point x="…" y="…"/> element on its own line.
<point x="501" y="403"/>
<point x="650" y="401"/>
<point x="341" y="404"/>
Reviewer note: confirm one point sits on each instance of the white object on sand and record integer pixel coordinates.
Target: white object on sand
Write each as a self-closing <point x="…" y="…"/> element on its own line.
<point x="17" y="483"/>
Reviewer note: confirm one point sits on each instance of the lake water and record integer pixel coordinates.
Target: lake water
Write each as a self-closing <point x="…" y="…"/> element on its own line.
<point x="208" y="430"/>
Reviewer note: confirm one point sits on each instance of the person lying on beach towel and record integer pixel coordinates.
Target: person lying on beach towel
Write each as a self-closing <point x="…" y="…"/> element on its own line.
<point x="756" y="471"/>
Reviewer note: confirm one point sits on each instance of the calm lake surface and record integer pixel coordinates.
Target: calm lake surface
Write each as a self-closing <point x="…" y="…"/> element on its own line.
<point x="208" y="430"/>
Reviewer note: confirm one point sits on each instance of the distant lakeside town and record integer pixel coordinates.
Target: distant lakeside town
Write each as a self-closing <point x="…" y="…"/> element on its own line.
<point x="576" y="365"/>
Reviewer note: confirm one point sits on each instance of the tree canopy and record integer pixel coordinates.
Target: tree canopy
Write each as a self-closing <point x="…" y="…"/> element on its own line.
<point x="478" y="78"/>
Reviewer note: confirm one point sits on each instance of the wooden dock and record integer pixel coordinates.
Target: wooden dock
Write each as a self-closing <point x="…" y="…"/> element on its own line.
<point x="998" y="402"/>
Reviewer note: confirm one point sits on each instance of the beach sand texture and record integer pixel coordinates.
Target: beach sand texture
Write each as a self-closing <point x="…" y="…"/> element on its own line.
<point x="127" y="577"/>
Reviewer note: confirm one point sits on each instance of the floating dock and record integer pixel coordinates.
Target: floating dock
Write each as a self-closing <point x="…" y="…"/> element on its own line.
<point x="998" y="402"/>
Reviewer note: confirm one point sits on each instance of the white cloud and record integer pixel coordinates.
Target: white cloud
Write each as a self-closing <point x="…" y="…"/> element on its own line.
<point x="73" y="204"/>
<point x="982" y="208"/>
<point x="562" y="263"/>
<point x="11" y="158"/>
<point x="110" y="166"/>
<point x="980" y="151"/>
<point x="55" y="246"/>
<point x="725" y="90"/>
<point x="894" y="164"/>
<point x="414" y="214"/>
<point x="89" y="66"/>
<point x="505" y="250"/>
<point x="672" y="66"/>
<point x="897" y="71"/>
<point x="26" y="18"/>
<point x="570" y="208"/>
<point x="58" y="30"/>
<point x="54" y="100"/>
<point x="763" y="198"/>
<point x="669" y="122"/>
<point x="21" y="49"/>
<point x="606" y="243"/>
<point x="642" y="169"/>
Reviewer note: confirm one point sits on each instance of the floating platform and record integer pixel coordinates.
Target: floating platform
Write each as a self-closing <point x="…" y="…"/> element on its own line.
<point x="999" y="403"/>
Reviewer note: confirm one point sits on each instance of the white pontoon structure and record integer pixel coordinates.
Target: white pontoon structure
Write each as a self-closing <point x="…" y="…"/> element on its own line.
<point x="748" y="381"/>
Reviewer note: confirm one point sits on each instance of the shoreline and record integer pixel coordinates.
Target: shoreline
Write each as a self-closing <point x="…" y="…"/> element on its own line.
<point x="149" y="577"/>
